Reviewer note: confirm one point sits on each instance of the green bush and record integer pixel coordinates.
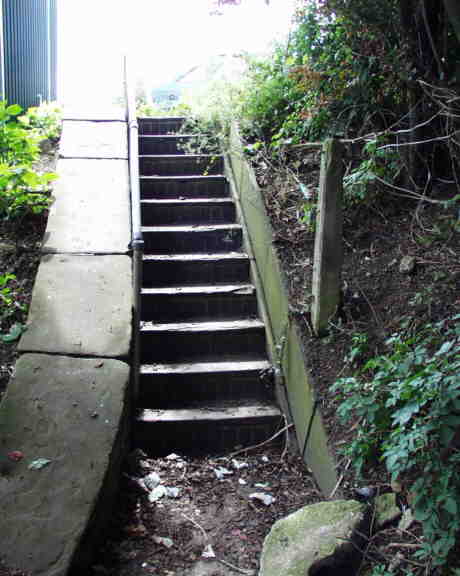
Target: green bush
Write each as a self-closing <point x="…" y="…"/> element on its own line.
<point x="45" y="120"/>
<point x="408" y="404"/>
<point x="22" y="189"/>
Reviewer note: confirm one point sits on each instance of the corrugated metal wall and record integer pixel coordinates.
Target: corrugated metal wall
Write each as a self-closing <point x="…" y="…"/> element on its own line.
<point x="30" y="50"/>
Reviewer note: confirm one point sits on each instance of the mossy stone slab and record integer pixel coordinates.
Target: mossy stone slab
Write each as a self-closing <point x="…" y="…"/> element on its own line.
<point x="315" y="536"/>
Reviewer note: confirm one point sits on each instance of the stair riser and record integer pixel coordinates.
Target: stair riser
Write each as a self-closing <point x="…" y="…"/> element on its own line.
<point x="160" y="439"/>
<point x="159" y="145"/>
<point x="159" y="274"/>
<point x="190" y="242"/>
<point x="212" y="188"/>
<point x="160" y="125"/>
<point x="180" y="166"/>
<point x="177" y="391"/>
<point x="178" y="308"/>
<point x="202" y="346"/>
<point x="154" y="215"/>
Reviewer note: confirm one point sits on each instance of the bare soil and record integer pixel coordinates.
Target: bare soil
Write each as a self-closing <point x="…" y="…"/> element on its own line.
<point x="214" y="523"/>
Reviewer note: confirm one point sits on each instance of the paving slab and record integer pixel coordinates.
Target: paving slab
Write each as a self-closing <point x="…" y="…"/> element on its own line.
<point x="72" y="413"/>
<point x="94" y="140"/>
<point x="81" y="305"/>
<point x="91" y="211"/>
<point x="112" y="114"/>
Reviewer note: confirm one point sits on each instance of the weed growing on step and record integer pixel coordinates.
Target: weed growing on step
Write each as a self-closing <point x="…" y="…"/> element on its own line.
<point x="22" y="189"/>
<point x="407" y="403"/>
<point x="45" y="121"/>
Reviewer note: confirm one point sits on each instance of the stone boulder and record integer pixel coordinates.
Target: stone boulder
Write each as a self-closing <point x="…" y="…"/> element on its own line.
<point x="319" y="539"/>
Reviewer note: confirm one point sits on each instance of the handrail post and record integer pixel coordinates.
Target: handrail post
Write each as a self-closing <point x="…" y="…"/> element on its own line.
<point x="137" y="242"/>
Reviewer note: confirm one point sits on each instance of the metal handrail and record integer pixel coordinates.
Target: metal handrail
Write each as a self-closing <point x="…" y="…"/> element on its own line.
<point x="137" y="242"/>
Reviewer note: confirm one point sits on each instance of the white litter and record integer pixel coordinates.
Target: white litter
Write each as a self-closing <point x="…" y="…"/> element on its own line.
<point x="157" y="493"/>
<point x="266" y="499"/>
<point x="221" y="472"/>
<point x="151" y="481"/>
<point x="166" y="542"/>
<point x="208" y="552"/>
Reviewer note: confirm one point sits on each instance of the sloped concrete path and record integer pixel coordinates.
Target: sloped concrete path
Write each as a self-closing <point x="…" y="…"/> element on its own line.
<point x="68" y="401"/>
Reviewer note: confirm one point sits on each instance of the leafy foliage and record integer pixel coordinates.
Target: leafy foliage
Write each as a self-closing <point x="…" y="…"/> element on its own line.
<point x="44" y="120"/>
<point x="408" y="404"/>
<point x="10" y="307"/>
<point x="22" y="189"/>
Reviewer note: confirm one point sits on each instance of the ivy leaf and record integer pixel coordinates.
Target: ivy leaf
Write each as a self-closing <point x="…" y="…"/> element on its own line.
<point x="15" y="331"/>
<point x="14" y="110"/>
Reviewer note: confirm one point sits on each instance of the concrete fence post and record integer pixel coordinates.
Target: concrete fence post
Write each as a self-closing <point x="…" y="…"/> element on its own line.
<point x="328" y="255"/>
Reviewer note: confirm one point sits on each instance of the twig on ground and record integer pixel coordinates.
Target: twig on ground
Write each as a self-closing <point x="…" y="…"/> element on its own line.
<point x="340" y="480"/>
<point x="284" y="429"/>
<point x="235" y="568"/>
<point x="195" y="523"/>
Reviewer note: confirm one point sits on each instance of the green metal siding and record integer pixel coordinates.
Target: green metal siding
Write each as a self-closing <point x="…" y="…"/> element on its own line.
<point x="30" y="50"/>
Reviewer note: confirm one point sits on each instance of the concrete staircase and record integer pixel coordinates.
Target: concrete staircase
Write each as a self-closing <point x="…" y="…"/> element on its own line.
<point x="205" y="381"/>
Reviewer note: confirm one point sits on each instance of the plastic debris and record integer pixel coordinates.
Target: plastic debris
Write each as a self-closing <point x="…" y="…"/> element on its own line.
<point x="265" y="486"/>
<point x="239" y="465"/>
<point x="265" y="459"/>
<point x="173" y="456"/>
<point x="157" y="493"/>
<point x="172" y="492"/>
<point x="221" y="472"/>
<point x="15" y="456"/>
<point x="242" y="482"/>
<point x="151" y="481"/>
<point x="266" y="499"/>
<point x="208" y="552"/>
<point x="39" y="464"/>
<point x="166" y="542"/>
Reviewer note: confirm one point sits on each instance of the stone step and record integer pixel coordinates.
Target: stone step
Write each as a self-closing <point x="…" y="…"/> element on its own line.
<point x="176" y="385"/>
<point x="166" y="125"/>
<point x="179" y="165"/>
<point x="199" y="303"/>
<point x="194" y="269"/>
<point x="188" y="211"/>
<point x="204" y="341"/>
<point x="163" y="144"/>
<point x="207" y="429"/>
<point x="192" y="239"/>
<point x="162" y="187"/>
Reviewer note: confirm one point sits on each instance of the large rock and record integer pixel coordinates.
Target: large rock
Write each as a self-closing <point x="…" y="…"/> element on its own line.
<point x="314" y="540"/>
<point x="72" y="414"/>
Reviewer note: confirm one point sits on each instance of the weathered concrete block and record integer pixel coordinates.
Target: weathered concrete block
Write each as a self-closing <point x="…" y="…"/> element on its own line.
<point x="94" y="140"/>
<point x="91" y="212"/>
<point x="71" y="412"/>
<point x="81" y="305"/>
<point x="313" y="539"/>
<point x="107" y="113"/>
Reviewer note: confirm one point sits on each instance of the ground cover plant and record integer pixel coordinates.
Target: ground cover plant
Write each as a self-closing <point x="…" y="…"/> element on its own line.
<point x="28" y="141"/>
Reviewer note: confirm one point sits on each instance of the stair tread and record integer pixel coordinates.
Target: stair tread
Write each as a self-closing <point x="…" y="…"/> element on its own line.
<point x="181" y="201"/>
<point x="179" y="157"/>
<point x="206" y="367"/>
<point x="214" y="326"/>
<point x="192" y="228"/>
<point x="199" y="256"/>
<point x="201" y="290"/>
<point x="229" y="411"/>
<point x="185" y="177"/>
<point x="167" y="136"/>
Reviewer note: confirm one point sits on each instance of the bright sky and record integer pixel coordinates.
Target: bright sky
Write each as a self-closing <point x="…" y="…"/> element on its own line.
<point x="164" y="37"/>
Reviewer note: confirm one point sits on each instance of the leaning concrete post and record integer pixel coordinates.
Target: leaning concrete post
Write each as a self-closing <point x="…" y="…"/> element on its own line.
<point x="328" y="240"/>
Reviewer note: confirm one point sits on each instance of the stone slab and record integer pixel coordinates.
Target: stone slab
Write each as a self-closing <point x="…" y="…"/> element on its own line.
<point x="91" y="211"/>
<point x="72" y="412"/>
<point x="81" y="305"/>
<point x="94" y="140"/>
<point x="106" y="114"/>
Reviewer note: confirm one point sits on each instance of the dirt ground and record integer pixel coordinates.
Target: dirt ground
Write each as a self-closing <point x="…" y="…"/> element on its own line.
<point x="20" y="244"/>
<point x="211" y="516"/>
